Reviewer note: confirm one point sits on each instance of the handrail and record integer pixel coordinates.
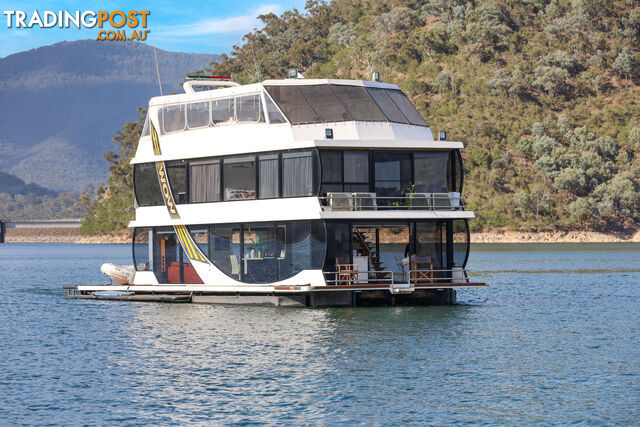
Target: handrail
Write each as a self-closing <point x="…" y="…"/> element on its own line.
<point x="415" y="276"/>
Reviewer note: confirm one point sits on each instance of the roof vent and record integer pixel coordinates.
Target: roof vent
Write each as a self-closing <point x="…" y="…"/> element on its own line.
<point x="375" y="77"/>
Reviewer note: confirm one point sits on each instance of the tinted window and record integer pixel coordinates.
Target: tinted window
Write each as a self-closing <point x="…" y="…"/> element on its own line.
<point x="225" y="249"/>
<point x="239" y="178"/>
<point x="146" y="185"/>
<point x="173" y="118"/>
<point x="431" y="172"/>
<point x="392" y="174"/>
<point x="326" y="103"/>
<point x="331" y="166"/>
<point x="197" y="115"/>
<point x="141" y="249"/>
<point x="267" y="253"/>
<point x="178" y="179"/>
<point x="460" y="243"/>
<point x="166" y="255"/>
<point x="293" y="104"/>
<point x="406" y="107"/>
<point x="359" y="103"/>
<point x="387" y="106"/>
<point x="261" y="253"/>
<point x="356" y="167"/>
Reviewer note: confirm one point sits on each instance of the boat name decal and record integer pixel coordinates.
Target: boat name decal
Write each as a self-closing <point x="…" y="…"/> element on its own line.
<point x="190" y="247"/>
<point x="166" y="190"/>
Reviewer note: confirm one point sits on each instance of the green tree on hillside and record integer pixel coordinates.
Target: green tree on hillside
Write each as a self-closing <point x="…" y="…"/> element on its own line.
<point x="113" y="207"/>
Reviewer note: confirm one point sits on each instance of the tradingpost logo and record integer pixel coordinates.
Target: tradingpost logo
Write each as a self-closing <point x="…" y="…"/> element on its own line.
<point x="120" y="25"/>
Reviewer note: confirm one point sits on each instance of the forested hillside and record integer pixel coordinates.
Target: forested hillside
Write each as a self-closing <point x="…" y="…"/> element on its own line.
<point x="61" y="105"/>
<point x="19" y="200"/>
<point x="544" y="93"/>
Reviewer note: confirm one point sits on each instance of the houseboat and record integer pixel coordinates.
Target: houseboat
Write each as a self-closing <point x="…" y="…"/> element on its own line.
<point x="295" y="192"/>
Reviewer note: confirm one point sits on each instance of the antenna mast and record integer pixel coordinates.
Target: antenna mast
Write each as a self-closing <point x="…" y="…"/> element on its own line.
<point x="157" y="69"/>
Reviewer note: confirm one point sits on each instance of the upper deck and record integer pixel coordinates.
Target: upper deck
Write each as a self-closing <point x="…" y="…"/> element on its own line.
<point x="282" y="115"/>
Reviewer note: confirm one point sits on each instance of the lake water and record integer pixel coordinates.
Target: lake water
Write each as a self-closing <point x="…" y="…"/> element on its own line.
<point x="555" y="339"/>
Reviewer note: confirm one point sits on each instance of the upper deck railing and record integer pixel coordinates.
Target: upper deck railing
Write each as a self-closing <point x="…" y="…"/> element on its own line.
<point x="345" y="201"/>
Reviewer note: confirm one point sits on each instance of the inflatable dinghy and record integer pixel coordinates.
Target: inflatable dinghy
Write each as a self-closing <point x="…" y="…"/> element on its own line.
<point x="120" y="274"/>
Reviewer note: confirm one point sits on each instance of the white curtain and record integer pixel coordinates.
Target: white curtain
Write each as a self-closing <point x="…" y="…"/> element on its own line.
<point x="297" y="174"/>
<point x="269" y="177"/>
<point x="204" y="181"/>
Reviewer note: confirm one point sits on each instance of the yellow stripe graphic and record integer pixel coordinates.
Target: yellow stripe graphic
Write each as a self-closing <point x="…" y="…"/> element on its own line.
<point x="185" y="241"/>
<point x="192" y="249"/>
<point x="154" y="138"/>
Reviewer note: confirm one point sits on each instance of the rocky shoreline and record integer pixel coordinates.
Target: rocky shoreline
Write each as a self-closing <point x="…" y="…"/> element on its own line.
<point x="71" y="235"/>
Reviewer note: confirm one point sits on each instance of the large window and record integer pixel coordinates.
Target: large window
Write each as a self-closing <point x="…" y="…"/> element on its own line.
<point x="145" y="182"/>
<point x="225" y="249"/>
<point x="198" y="115"/>
<point x="177" y="172"/>
<point x="297" y="174"/>
<point x="142" y="255"/>
<point x="359" y="103"/>
<point x="460" y="242"/>
<point x="269" y="168"/>
<point x="386" y="104"/>
<point x="267" y="253"/>
<point x="431" y="172"/>
<point x="406" y="107"/>
<point x="275" y="116"/>
<point x="294" y="173"/>
<point x="338" y="103"/>
<point x="392" y="172"/>
<point x="204" y="181"/>
<point x="249" y="109"/>
<point x="173" y="118"/>
<point x="294" y="105"/>
<point x="326" y="103"/>
<point x="222" y="111"/>
<point x="239" y="178"/>
<point x="345" y="171"/>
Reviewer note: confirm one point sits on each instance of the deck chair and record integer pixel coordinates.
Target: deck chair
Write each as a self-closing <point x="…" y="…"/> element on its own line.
<point x="419" y="274"/>
<point x="441" y="201"/>
<point x="340" y="201"/>
<point x="364" y="201"/>
<point x="347" y="274"/>
<point x="422" y="201"/>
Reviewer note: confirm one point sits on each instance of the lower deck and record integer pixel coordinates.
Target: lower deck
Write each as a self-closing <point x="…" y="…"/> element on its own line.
<point x="310" y="296"/>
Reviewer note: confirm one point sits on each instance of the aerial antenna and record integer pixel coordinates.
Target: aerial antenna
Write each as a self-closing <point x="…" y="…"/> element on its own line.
<point x="157" y="69"/>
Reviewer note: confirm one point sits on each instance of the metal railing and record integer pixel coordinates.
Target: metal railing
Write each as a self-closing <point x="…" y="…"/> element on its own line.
<point x="344" y="201"/>
<point x="380" y="277"/>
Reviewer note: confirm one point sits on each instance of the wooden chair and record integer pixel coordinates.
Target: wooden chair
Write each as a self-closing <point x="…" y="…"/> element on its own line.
<point x="420" y="275"/>
<point x="347" y="274"/>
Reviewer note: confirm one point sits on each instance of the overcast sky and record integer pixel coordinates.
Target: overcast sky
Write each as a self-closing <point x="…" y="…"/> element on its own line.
<point x="197" y="27"/>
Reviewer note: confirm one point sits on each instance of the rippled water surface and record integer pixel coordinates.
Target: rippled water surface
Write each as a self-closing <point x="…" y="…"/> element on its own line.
<point x="555" y="339"/>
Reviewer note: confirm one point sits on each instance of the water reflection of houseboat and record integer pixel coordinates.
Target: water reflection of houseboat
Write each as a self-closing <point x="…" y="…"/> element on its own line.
<point x="297" y="191"/>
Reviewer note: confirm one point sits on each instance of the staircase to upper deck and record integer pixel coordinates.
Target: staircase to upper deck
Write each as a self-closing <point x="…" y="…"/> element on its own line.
<point x="363" y="245"/>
